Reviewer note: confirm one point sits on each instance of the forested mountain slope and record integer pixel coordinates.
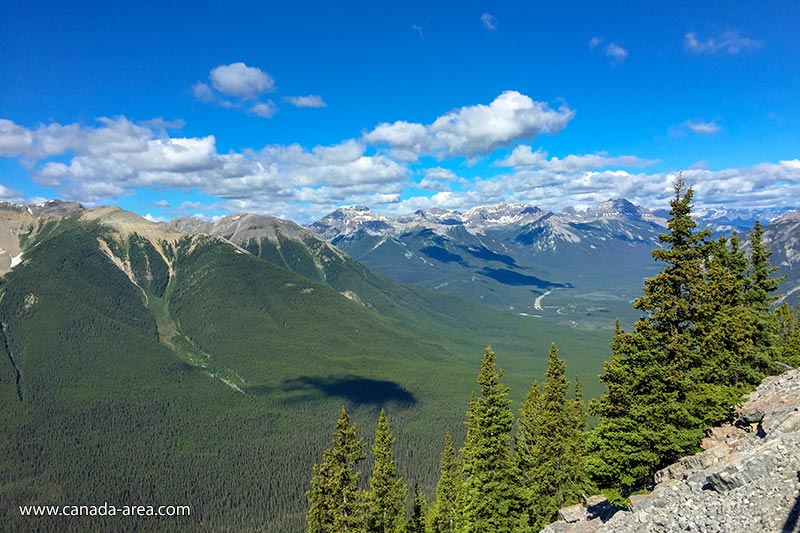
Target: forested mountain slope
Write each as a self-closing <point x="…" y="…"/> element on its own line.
<point x="143" y="366"/>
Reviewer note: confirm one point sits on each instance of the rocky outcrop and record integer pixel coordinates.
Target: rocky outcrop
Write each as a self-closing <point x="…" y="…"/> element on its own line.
<point x="747" y="478"/>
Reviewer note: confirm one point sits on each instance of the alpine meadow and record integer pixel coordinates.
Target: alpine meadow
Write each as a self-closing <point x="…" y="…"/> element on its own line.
<point x="451" y="267"/>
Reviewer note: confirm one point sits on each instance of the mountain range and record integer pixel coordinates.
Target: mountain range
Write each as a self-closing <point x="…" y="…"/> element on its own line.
<point x="141" y="364"/>
<point x="578" y="266"/>
<point x="191" y="359"/>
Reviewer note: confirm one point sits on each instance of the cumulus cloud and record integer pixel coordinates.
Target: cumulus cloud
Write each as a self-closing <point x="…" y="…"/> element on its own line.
<point x="115" y="135"/>
<point x="473" y="130"/>
<point x="14" y="140"/>
<point x="524" y="156"/>
<point x="490" y="21"/>
<point x="594" y="42"/>
<point x="10" y="195"/>
<point x="239" y="80"/>
<point x="729" y="43"/>
<point x="311" y="100"/>
<point x="237" y="86"/>
<point x="203" y="92"/>
<point x="264" y="109"/>
<point x="118" y="157"/>
<point x="702" y="127"/>
<point x="438" y="179"/>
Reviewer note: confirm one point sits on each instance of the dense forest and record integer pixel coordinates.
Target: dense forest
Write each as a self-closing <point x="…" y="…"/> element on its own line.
<point x="707" y="335"/>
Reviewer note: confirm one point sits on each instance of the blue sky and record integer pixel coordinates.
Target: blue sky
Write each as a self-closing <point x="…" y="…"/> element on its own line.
<point x="292" y="109"/>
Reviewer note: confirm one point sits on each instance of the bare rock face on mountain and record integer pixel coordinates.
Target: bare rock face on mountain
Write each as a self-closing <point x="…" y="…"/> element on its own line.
<point x="747" y="478"/>
<point x="21" y="222"/>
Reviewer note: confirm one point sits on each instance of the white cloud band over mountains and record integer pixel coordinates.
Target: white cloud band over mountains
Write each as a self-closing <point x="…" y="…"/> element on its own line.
<point x="387" y="168"/>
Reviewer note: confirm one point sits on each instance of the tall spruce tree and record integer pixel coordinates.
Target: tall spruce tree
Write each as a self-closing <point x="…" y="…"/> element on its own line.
<point x="442" y="515"/>
<point x="550" y="444"/>
<point x="706" y="337"/>
<point x="788" y="334"/>
<point x="489" y="499"/>
<point x="416" y="523"/>
<point x="761" y="283"/>
<point x="385" y="502"/>
<point x="645" y="421"/>
<point x="334" y="496"/>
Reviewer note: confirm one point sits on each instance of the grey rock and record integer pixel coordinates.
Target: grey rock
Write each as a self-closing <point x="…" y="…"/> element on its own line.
<point x="573" y="513"/>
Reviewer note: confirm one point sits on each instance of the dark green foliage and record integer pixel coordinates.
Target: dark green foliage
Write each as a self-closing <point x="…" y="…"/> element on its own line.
<point x="706" y="337"/>
<point x="418" y="511"/>
<point x="550" y="445"/>
<point x="385" y="501"/>
<point x="334" y="497"/>
<point x="788" y="335"/>
<point x="761" y="285"/>
<point x="442" y="514"/>
<point x="489" y="496"/>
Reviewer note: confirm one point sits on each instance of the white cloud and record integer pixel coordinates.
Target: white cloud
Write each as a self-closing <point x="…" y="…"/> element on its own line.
<point x="238" y="86"/>
<point x="115" y="135"/>
<point x="10" y="195"/>
<point x="118" y="157"/>
<point x="311" y="100"/>
<point x="239" y="80"/>
<point x="701" y="127"/>
<point x="14" y="139"/>
<point x="729" y="42"/>
<point x="473" y="130"/>
<point x="203" y="92"/>
<point x="594" y="42"/>
<point x="438" y="179"/>
<point x="490" y="21"/>
<point x="617" y="53"/>
<point x="524" y="156"/>
<point x="441" y="174"/>
<point x="418" y="30"/>
<point x="264" y="109"/>
<point x="161" y="203"/>
<point x="151" y="218"/>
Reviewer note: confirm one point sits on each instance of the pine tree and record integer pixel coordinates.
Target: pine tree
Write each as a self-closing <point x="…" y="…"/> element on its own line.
<point x="442" y="515"/>
<point x="334" y="496"/>
<point x="386" y="498"/>
<point x="489" y="500"/>
<point x="417" y="522"/>
<point x="550" y="444"/>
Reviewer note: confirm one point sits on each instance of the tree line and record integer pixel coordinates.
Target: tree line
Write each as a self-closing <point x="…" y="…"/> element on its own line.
<point x="707" y="336"/>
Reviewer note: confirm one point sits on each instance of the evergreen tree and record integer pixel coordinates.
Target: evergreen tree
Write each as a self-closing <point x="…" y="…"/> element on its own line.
<point x="386" y="498"/>
<point x="442" y="515"/>
<point x="761" y="284"/>
<point x="788" y="334"/>
<point x="417" y="522"/>
<point x="334" y="495"/>
<point x="706" y="337"/>
<point x="550" y="444"/>
<point x="489" y="500"/>
<point x="645" y="419"/>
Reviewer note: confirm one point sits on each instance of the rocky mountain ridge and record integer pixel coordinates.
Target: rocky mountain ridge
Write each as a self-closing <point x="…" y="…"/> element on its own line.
<point x="747" y="478"/>
<point x="347" y="220"/>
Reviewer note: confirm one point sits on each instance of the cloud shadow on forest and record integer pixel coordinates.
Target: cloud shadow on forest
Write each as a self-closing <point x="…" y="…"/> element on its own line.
<point x="355" y="389"/>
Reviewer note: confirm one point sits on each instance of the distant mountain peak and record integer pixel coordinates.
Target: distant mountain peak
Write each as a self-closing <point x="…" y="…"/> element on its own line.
<point x="614" y="208"/>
